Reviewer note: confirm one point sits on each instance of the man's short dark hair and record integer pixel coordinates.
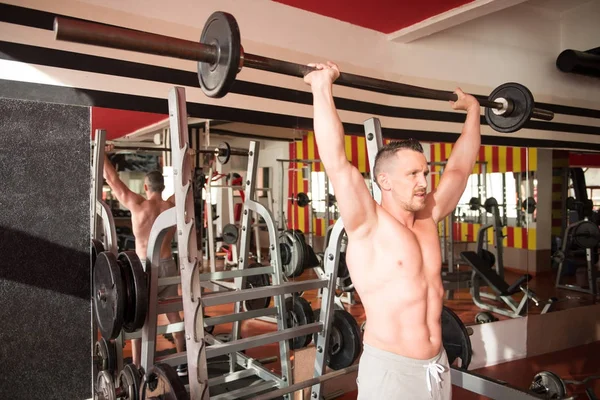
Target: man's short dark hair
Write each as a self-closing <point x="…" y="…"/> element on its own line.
<point x="155" y="181"/>
<point x="390" y="149"/>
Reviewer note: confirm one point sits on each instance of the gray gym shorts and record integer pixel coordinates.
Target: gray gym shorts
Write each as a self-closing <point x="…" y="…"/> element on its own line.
<point x="385" y="375"/>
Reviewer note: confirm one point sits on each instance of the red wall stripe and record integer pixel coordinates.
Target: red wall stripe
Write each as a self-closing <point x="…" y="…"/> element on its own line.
<point x="495" y="159"/>
<point x="524" y="239"/>
<point x="354" y="144"/>
<point x="509" y="159"/>
<point x="510" y="236"/>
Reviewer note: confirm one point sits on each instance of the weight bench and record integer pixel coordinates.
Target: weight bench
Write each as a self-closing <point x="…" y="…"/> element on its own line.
<point x="482" y="270"/>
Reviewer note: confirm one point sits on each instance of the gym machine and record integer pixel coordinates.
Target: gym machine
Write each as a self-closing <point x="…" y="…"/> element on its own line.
<point x="582" y="235"/>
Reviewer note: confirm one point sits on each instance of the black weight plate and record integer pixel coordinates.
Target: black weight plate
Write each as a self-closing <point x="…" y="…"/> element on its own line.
<point x="109" y="295"/>
<point x="130" y="379"/>
<point x="344" y="340"/>
<point x="298" y="247"/>
<point x="163" y="383"/>
<point x="523" y="105"/>
<point x="289" y="253"/>
<point x="105" y="386"/>
<point x="220" y="30"/>
<point x="586" y="234"/>
<point x="299" y="313"/>
<point x="455" y="337"/>
<point x="474" y="203"/>
<point x="96" y="248"/>
<point x="106" y="353"/>
<point x="224" y="152"/>
<point x="484" y="318"/>
<point x="230" y="234"/>
<point x="548" y="384"/>
<point x="302" y="199"/>
<point x="490" y="204"/>
<point x="137" y="280"/>
<point x="257" y="281"/>
<point x="343" y="272"/>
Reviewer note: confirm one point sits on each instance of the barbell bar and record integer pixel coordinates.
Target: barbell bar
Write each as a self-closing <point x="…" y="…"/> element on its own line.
<point x="223" y="152"/>
<point x="220" y="57"/>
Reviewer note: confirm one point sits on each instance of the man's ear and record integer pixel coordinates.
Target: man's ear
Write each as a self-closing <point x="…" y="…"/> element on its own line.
<point x="384" y="181"/>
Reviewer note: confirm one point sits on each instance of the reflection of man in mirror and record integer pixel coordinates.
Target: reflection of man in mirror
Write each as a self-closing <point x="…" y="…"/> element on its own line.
<point x="144" y="212"/>
<point x="393" y="252"/>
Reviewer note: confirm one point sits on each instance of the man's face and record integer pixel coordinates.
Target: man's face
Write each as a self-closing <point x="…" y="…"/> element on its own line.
<point x="408" y="178"/>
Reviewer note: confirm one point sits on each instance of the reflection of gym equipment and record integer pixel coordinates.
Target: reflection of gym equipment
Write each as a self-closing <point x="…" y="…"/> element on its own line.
<point x="583" y="235"/>
<point x="553" y="386"/>
<point x="491" y="206"/>
<point x="482" y="270"/>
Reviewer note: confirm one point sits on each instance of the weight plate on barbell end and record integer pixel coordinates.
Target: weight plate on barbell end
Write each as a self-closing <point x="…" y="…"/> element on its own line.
<point x="130" y="379"/>
<point x="254" y="281"/>
<point x="586" y="234"/>
<point x="224" y="152"/>
<point x="300" y="246"/>
<point x="529" y="205"/>
<point x="109" y="295"/>
<point x="105" y="386"/>
<point x="484" y="317"/>
<point x="302" y="199"/>
<point x="344" y="340"/>
<point x="474" y="203"/>
<point x="299" y="313"/>
<point x="490" y="204"/>
<point x="455" y="337"/>
<point x="220" y="30"/>
<point x="163" y="383"/>
<point x="106" y="353"/>
<point x="548" y="384"/>
<point x="230" y="234"/>
<point x="488" y="257"/>
<point x="136" y="279"/>
<point x="522" y="108"/>
<point x="96" y="248"/>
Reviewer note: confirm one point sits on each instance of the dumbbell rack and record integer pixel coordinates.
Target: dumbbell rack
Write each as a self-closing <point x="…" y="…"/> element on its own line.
<point x="202" y="346"/>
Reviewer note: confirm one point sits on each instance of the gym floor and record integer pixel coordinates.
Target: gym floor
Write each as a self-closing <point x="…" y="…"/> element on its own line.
<point x="574" y="363"/>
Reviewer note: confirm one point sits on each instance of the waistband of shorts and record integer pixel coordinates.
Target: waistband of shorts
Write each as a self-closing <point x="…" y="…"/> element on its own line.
<point x="393" y="357"/>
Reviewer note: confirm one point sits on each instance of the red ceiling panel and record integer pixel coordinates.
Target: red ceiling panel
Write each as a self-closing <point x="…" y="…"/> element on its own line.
<point x="118" y="123"/>
<point x="385" y="16"/>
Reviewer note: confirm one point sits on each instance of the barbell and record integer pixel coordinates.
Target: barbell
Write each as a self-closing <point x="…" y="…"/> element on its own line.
<point x="223" y="152"/>
<point x="220" y="57"/>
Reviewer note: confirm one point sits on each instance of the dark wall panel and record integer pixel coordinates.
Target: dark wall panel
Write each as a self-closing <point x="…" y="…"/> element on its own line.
<point x="44" y="251"/>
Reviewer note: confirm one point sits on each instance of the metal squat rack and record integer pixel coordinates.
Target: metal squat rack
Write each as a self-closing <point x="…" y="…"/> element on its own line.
<point x="201" y="345"/>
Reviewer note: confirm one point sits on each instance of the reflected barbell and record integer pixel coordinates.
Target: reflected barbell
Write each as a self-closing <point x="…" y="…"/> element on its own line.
<point x="302" y="200"/>
<point x="221" y="57"/>
<point x="223" y="152"/>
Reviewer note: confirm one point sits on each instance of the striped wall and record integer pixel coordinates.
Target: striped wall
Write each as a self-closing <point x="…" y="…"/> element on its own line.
<point x="498" y="158"/>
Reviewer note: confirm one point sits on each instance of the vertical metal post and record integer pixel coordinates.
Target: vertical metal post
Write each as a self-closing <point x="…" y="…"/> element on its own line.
<point x="281" y="224"/>
<point x="327" y="207"/>
<point x="210" y="224"/>
<point x="374" y="143"/>
<point x="187" y="246"/>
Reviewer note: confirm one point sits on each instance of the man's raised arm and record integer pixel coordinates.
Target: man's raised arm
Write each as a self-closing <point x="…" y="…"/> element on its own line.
<point x="125" y="196"/>
<point x="356" y="205"/>
<point x="459" y="167"/>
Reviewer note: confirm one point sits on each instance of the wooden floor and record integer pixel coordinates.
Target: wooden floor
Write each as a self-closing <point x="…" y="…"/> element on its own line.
<point x="570" y="364"/>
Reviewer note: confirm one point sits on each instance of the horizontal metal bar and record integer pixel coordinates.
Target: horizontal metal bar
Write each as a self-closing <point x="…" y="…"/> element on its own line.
<point x="308" y="383"/>
<point x="489" y="387"/>
<point x="217" y="286"/>
<point x="172" y="280"/>
<point x="261" y="340"/>
<point x="169" y="306"/>
<point x="232" y="377"/>
<point x="225" y="319"/>
<point x="160" y="330"/>
<point x="249" y="363"/>
<point x="215" y="299"/>
<point x="173" y="359"/>
<point x="235" y="273"/>
<point x="245" y="391"/>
